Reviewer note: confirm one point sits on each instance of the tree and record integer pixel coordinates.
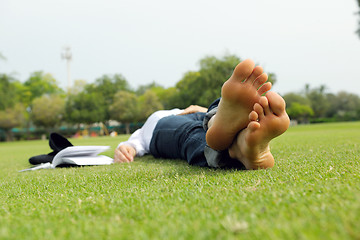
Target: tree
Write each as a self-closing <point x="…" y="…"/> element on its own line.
<point x="7" y="91"/>
<point x="213" y="73"/>
<point x="143" y="88"/>
<point x="23" y="93"/>
<point x="10" y="118"/>
<point x="291" y="98"/>
<point x="318" y="101"/>
<point x="79" y="86"/>
<point x="85" y="108"/>
<point x="167" y="96"/>
<point x="37" y="85"/>
<point x="149" y="103"/>
<point x="48" y="111"/>
<point x="343" y="106"/>
<point x="188" y="90"/>
<point x="40" y="83"/>
<point x="204" y="86"/>
<point x="107" y="86"/>
<point x="298" y="106"/>
<point x="300" y="112"/>
<point x="272" y="78"/>
<point x="125" y="108"/>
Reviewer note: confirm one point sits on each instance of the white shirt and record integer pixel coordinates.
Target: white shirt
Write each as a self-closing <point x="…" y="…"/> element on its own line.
<point x="141" y="138"/>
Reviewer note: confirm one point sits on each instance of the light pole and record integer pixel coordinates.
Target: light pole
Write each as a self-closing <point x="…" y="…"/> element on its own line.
<point x="66" y="54"/>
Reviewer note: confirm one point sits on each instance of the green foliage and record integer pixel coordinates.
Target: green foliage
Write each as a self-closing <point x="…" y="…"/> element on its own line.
<point x="106" y="87"/>
<point x="189" y="90"/>
<point x="318" y="100"/>
<point x="214" y="72"/>
<point x="300" y="112"/>
<point x="312" y="192"/>
<point x="204" y="86"/>
<point x="85" y="108"/>
<point x="344" y="106"/>
<point x="298" y="107"/>
<point x="125" y="108"/>
<point x="90" y="103"/>
<point x="143" y="88"/>
<point x="291" y="98"/>
<point x="78" y="87"/>
<point x="7" y="91"/>
<point x="316" y="105"/>
<point x="48" y="111"/>
<point x="167" y="97"/>
<point x="11" y="117"/>
<point x="272" y="78"/>
<point x="40" y="83"/>
<point x="23" y="93"/>
<point x="148" y="103"/>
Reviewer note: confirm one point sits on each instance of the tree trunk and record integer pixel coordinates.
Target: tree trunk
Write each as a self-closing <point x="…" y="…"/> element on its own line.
<point x="9" y="135"/>
<point x="27" y="130"/>
<point x="127" y="128"/>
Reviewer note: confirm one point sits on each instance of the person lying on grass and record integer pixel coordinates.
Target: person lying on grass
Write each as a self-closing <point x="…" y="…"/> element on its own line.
<point x="235" y="131"/>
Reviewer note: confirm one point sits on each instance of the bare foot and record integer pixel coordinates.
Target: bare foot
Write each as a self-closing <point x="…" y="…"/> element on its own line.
<point x="267" y="121"/>
<point x="238" y="96"/>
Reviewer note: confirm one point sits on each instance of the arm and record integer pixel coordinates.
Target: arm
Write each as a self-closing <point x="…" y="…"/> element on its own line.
<point x="139" y="142"/>
<point x="193" y="109"/>
<point x="134" y="146"/>
<point x="124" y="153"/>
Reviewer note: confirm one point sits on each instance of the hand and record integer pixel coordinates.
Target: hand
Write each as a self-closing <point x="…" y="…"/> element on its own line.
<point x="193" y="109"/>
<point x="124" y="153"/>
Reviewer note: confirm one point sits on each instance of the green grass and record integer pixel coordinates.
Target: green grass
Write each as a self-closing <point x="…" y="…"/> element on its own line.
<point x="313" y="192"/>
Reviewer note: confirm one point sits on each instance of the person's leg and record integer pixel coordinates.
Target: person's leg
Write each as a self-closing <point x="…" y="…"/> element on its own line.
<point x="176" y="137"/>
<point x="238" y="95"/>
<point x="180" y="137"/>
<point x="267" y="121"/>
<point x="214" y="104"/>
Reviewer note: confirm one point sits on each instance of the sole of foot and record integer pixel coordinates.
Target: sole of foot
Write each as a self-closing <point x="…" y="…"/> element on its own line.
<point x="238" y="96"/>
<point x="267" y="121"/>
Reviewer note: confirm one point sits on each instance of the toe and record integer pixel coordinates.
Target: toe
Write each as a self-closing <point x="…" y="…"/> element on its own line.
<point x="253" y="116"/>
<point x="255" y="74"/>
<point x="265" y="104"/>
<point x="276" y="102"/>
<point x="244" y="69"/>
<point x="264" y="88"/>
<point x="259" y="110"/>
<point x="260" y="80"/>
<point x="253" y="126"/>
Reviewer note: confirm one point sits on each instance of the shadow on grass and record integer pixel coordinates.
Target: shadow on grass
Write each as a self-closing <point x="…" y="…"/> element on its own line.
<point x="183" y="168"/>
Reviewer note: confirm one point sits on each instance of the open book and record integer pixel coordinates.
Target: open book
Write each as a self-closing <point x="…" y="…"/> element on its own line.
<point x="77" y="156"/>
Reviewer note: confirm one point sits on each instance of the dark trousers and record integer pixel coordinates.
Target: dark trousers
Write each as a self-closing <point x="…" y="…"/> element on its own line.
<point x="183" y="137"/>
<point x="180" y="137"/>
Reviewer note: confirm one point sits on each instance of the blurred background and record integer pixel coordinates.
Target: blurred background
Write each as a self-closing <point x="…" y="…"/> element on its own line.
<point x="103" y="66"/>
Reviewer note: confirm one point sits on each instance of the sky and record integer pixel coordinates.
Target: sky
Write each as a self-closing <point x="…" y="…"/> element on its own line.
<point x="302" y="42"/>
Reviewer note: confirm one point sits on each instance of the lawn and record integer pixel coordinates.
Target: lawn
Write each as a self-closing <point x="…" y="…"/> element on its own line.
<point x="313" y="192"/>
